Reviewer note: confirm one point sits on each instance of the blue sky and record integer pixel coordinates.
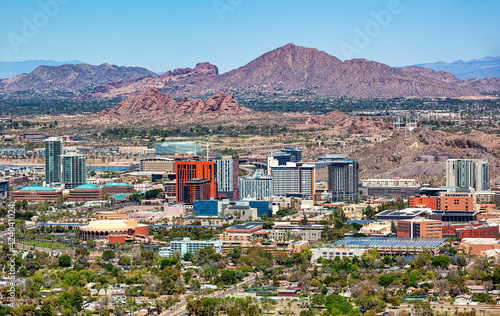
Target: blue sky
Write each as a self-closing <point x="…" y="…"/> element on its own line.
<point x="163" y="35"/>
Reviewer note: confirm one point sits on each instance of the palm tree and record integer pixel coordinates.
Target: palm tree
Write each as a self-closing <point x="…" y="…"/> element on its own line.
<point x="98" y="287"/>
<point x="159" y="306"/>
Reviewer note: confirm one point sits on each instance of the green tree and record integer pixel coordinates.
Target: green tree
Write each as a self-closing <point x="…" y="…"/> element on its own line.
<point x="228" y="276"/>
<point x="125" y="261"/>
<point x="371" y="302"/>
<point x="108" y="255"/>
<point x="64" y="261"/>
<point x="188" y="257"/>
<point x="386" y="280"/>
<point x="48" y="308"/>
<point x="441" y="261"/>
<point x="235" y="253"/>
<point x="369" y="212"/>
<point x="338" y="305"/>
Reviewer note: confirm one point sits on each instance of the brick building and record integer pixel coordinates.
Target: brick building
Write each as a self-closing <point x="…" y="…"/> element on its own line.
<point x="419" y="227"/>
<point x="36" y="193"/>
<point x="485" y="230"/>
<point x="85" y="192"/>
<point x="117" y="187"/>
<point x="423" y="201"/>
<point x="477" y="246"/>
<point x="459" y="200"/>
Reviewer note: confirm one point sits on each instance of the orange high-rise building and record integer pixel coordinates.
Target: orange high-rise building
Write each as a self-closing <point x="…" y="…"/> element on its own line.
<point x="187" y="170"/>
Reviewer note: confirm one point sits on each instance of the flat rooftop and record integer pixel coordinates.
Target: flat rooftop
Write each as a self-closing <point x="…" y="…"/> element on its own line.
<point x="421" y="219"/>
<point x="246" y="226"/>
<point x="407" y="212"/>
<point x="481" y="241"/>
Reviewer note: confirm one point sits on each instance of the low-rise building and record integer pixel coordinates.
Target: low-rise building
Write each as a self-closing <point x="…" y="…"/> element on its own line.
<point x="186" y="245"/>
<point x="117" y="187"/>
<point x="110" y="215"/>
<point x="36" y="193"/>
<point x="376" y="229"/>
<point x="478" y="246"/>
<point x="132" y="150"/>
<point x="419" y="228"/>
<point x="392" y="246"/>
<point x="174" y="210"/>
<point x="163" y="165"/>
<point x="453" y="216"/>
<point x="85" y="192"/>
<point x="485" y="230"/>
<point x="395" y="182"/>
<point x="241" y="211"/>
<point x="285" y="230"/>
<point x="423" y="201"/>
<point x="241" y="234"/>
<point x="309" y="235"/>
<point x="114" y="231"/>
<point x="400" y="192"/>
<point x="331" y="253"/>
<point x="246" y="228"/>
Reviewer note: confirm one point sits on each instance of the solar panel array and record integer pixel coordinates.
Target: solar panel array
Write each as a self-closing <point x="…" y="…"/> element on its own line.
<point x="388" y="242"/>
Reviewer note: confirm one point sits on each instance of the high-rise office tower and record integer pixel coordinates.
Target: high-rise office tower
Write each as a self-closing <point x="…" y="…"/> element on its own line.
<point x="286" y="155"/>
<point x="72" y="169"/>
<point x="343" y="180"/>
<point x="226" y="176"/>
<point x="53" y="151"/>
<point x="195" y="190"/>
<point x="468" y="173"/>
<point x="294" y="179"/>
<point x="257" y="187"/>
<point x="187" y="170"/>
<point x="295" y="153"/>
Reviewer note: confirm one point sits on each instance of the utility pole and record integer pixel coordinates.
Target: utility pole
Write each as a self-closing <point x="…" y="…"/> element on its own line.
<point x="207" y="147"/>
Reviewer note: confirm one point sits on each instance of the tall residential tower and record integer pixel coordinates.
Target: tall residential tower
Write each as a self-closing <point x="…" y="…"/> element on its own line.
<point x="53" y="151"/>
<point x="468" y="173"/>
<point x="72" y="169"/>
<point x="343" y="180"/>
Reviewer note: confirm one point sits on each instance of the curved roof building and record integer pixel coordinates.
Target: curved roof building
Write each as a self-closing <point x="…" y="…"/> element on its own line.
<point x="113" y="230"/>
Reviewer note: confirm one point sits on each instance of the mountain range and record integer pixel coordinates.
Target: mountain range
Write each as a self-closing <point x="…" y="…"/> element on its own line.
<point x="290" y="68"/>
<point x="286" y="70"/>
<point x="9" y="69"/>
<point x="487" y="67"/>
<point x="70" y="77"/>
<point x="486" y="85"/>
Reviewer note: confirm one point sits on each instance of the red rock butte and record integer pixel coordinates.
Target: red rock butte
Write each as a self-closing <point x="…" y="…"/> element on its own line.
<point x="153" y="102"/>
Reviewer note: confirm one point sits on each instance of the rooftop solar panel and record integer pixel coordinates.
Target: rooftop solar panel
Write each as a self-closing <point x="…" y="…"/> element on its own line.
<point x="387" y="242"/>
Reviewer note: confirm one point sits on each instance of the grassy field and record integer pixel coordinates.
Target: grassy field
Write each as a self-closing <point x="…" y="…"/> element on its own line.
<point x="45" y="244"/>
